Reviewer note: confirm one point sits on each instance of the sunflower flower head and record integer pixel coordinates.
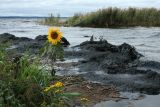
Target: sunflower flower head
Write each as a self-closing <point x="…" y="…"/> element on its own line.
<point x="54" y="35"/>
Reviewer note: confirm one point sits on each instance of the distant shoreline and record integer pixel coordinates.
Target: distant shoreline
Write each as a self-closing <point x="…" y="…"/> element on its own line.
<point x="110" y="17"/>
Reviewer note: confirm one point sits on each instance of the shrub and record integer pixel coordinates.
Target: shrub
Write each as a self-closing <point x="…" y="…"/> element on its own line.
<point x="116" y="17"/>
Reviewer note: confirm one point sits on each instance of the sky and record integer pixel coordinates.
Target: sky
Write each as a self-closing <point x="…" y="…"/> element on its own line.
<point x="66" y="8"/>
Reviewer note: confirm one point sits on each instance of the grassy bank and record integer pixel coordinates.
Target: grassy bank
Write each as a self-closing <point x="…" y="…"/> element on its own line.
<point x="21" y="81"/>
<point x="24" y="84"/>
<point x="114" y="17"/>
<point x="52" y="21"/>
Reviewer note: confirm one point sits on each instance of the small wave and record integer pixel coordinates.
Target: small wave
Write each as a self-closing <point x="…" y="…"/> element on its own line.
<point x="25" y="21"/>
<point x="141" y="44"/>
<point x="21" y="31"/>
<point x="144" y="45"/>
<point x="155" y="36"/>
<point x="130" y="38"/>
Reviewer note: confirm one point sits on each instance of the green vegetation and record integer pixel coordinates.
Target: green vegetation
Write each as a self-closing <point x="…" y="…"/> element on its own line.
<point x="51" y="20"/>
<point x="24" y="84"/>
<point x="116" y="17"/>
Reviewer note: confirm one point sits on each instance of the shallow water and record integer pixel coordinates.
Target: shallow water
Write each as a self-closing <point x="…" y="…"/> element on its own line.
<point x="146" y="40"/>
<point x="148" y="101"/>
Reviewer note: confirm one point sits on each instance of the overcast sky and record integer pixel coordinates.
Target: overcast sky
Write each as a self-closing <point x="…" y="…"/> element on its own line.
<point x="65" y="7"/>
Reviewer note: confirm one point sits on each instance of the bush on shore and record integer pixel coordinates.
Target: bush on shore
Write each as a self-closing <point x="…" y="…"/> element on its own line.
<point x="51" y="20"/>
<point x="110" y="17"/>
<point x="24" y="84"/>
<point x="116" y="17"/>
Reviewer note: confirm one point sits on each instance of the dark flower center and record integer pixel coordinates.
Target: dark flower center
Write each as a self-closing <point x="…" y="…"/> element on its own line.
<point x="54" y="35"/>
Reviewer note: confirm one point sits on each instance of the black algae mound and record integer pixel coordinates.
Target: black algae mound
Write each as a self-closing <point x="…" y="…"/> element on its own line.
<point x="107" y="57"/>
<point x="117" y="65"/>
<point x="23" y="44"/>
<point x="101" y="61"/>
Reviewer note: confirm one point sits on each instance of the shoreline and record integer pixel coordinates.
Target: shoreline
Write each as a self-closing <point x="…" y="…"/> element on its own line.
<point x="110" y="65"/>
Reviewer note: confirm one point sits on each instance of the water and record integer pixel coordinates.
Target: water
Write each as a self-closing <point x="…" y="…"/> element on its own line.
<point x="146" y="40"/>
<point x="149" y="101"/>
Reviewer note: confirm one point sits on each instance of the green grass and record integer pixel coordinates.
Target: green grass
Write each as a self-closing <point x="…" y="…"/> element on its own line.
<point x="22" y="83"/>
<point x="116" y="17"/>
<point x="52" y="21"/>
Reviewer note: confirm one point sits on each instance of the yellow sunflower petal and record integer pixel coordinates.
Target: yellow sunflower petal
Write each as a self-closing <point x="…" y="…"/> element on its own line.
<point x="54" y="35"/>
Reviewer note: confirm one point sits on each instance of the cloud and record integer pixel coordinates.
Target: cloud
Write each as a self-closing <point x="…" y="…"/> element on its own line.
<point x="65" y="7"/>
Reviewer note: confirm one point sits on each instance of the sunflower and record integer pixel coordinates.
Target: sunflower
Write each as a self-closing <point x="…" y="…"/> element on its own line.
<point x="54" y="35"/>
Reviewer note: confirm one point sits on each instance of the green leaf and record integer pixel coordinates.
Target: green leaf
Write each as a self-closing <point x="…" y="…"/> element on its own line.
<point x="1" y="62"/>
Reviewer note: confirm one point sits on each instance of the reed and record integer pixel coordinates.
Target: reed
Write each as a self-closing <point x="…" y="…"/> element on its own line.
<point x="116" y="17"/>
<point x="51" y="20"/>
